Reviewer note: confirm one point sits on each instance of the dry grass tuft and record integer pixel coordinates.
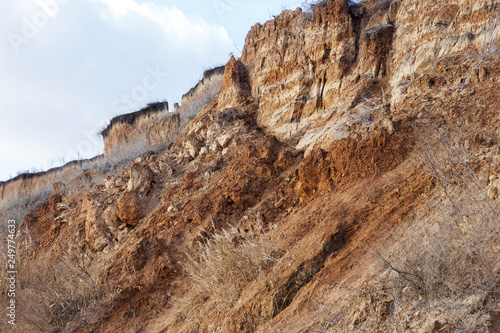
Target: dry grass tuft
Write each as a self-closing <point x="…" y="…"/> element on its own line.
<point x="56" y="289"/>
<point x="225" y="263"/>
<point x="50" y="292"/>
<point x="437" y="259"/>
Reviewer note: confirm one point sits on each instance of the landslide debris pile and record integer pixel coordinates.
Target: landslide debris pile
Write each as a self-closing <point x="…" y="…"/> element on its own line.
<point x="344" y="178"/>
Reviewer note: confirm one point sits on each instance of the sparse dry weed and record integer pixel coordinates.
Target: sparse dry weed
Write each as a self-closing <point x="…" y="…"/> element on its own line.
<point x="50" y="292"/>
<point x="224" y="263"/>
<point x="448" y="254"/>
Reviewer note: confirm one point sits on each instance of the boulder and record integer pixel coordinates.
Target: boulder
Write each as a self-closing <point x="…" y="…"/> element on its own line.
<point x="141" y="178"/>
<point x="191" y="147"/>
<point x="130" y="209"/>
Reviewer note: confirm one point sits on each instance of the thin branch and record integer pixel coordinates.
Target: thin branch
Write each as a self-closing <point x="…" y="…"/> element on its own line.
<point x="412" y="76"/>
<point x="485" y="49"/>
<point x="466" y="54"/>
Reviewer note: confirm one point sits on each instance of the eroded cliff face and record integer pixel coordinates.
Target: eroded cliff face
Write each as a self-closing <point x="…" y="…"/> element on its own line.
<point x="296" y="64"/>
<point x="21" y="194"/>
<point x="154" y="127"/>
<point x="321" y="139"/>
<point x="306" y="68"/>
<point x="202" y="93"/>
<point x="131" y="128"/>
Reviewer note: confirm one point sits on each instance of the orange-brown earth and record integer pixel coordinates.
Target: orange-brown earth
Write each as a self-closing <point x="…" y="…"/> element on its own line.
<point x="315" y="139"/>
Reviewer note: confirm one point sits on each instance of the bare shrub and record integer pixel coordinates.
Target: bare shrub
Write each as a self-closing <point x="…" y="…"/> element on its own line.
<point x="441" y="261"/>
<point x="223" y="264"/>
<point x="447" y="254"/>
<point x="65" y="287"/>
<point x="62" y="291"/>
<point x="488" y="47"/>
<point x="51" y="292"/>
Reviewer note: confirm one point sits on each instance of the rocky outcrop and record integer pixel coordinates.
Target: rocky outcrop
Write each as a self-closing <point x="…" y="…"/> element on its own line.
<point x="297" y="63"/>
<point x="235" y="85"/>
<point x="129" y="209"/>
<point x="101" y="224"/>
<point x="141" y="177"/>
<point x="306" y="69"/>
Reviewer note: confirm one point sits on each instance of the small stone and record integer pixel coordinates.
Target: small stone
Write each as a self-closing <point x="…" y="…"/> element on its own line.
<point x="62" y="207"/>
<point x="120" y="183"/>
<point x="166" y="169"/>
<point x="215" y="147"/>
<point x="203" y="151"/>
<point x="109" y="182"/>
<point x="190" y="149"/>
<point x="389" y="126"/>
<point x="207" y="176"/>
<point x="224" y="140"/>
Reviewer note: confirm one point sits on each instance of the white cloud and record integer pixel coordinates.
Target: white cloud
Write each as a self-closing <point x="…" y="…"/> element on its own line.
<point x="184" y="31"/>
<point x="60" y="88"/>
<point x="64" y="80"/>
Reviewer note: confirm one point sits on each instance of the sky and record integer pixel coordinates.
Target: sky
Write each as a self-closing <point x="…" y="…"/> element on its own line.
<point x="68" y="66"/>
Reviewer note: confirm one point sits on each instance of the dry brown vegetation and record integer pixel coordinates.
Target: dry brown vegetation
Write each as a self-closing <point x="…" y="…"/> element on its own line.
<point x="59" y="290"/>
<point x="448" y="256"/>
<point x="221" y="265"/>
<point x="51" y="292"/>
